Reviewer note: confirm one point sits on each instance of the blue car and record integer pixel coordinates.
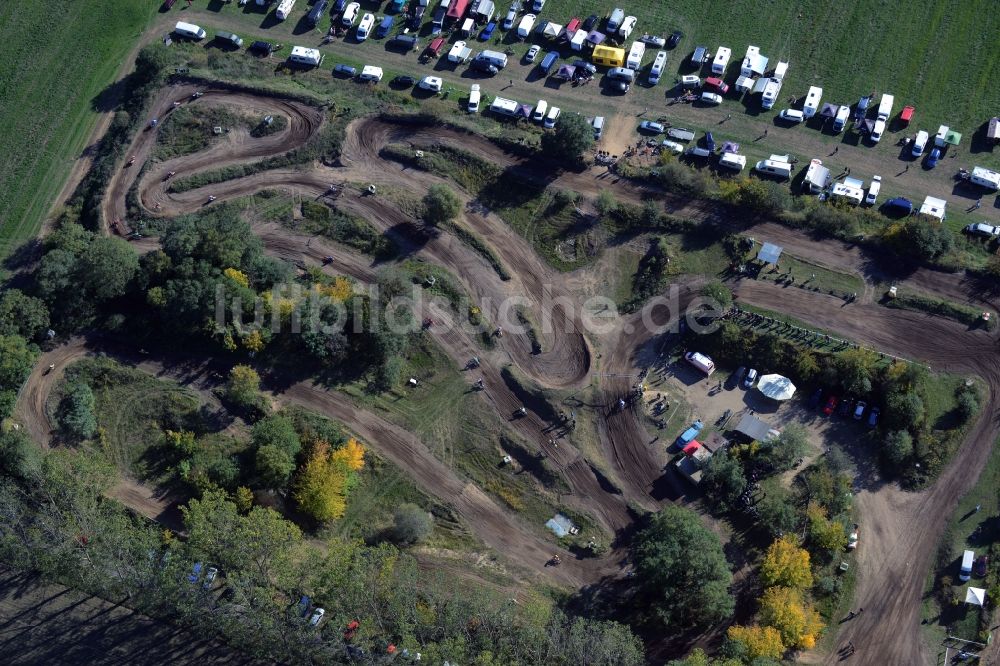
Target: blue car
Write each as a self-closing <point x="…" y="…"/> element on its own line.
<point x="488" y="31"/>
<point x="933" y="158"/>
<point x="898" y="206"/>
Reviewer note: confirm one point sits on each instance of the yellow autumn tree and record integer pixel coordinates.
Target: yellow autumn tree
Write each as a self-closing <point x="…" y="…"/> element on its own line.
<point x="824" y="533"/>
<point x="786" y="564"/>
<point x="759" y="641"/>
<point x="351" y="455"/>
<point x="237" y="276"/>
<point x="339" y="290"/>
<point x="786" y="610"/>
<point x="320" y="488"/>
<point x="254" y="341"/>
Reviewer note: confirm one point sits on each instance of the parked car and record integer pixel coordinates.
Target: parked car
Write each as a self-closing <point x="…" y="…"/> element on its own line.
<point x="831" y="404"/>
<point x="488" y="31"/>
<point x="365" y="27"/>
<point x="873" y="190"/>
<point x="484" y="66"/>
<point x="791" y="115"/>
<point x="532" y="53"/>
<point x="432" y="83"/>
<point x="585" y="66"/>
<point x="540" y="110"/>
<point x="852" y="539"/>
<point x="508" y="21"/>
<point x="815" y="398"/>
<point x="653" y="40"/>
<point x="552" y="118"/>
<point x="981" y="229"/>
<point x="262" y="48"/>
<point x="674" y="39"/>
<point x="933" y="158"/>
<point x="474" y="96"/>
<point x="345" y="70"/>
<point x="316" y="617"/>
<point x="711" y="98"/>
<point x="859" y="410"/>
<point x="651" y="127"/>
<point x="591" y="22"/>
<point x="618" y="86"/>
<point x="751" y="377"/>
<point x="672" y="146"/>
<point x="210" y="577"/>
<point x="873" y="417"/>
<point x="717" y="84"/>
<point x="981" y="567"/>
<point x="402" y="81"/>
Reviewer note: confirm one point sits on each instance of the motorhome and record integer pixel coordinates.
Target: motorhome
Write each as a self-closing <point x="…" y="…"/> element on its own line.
<point x="817" y="177"/>
<point x="634" y="59"/>
<point x="811" y="104"/>
<point x="775" y="167"/>
<point x="721" y="60"/>
<point x="885" y="106"/>
<point x="965" y="573"/>
<point x="303" y="55"/>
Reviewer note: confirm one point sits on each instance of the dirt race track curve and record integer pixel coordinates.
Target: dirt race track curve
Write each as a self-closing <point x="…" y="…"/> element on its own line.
<point x="903" y="528"/>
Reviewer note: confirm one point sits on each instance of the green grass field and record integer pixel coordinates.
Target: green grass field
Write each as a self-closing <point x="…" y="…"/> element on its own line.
<point x="58" y="57"/>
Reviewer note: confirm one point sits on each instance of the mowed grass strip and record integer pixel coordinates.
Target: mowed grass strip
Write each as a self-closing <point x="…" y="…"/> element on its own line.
<point x="58" y="56"/>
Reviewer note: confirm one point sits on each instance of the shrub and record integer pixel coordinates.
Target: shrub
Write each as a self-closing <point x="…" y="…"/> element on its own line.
<point x="411" y="524"/>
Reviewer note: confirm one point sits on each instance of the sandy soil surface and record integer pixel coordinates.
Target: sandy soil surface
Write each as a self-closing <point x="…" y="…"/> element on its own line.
<point x="903" y="527"/>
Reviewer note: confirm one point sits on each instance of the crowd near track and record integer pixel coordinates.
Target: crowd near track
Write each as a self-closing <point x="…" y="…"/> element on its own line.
<point x="904" y="528"/>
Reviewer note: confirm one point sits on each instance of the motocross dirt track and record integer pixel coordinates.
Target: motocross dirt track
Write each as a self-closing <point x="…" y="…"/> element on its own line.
<point x="902" y="529"/>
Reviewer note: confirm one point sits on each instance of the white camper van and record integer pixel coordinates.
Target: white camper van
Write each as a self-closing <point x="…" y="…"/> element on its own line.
<point x="634" y="59"/>
<point x="775" y="167"/>
<point x="656" y="71"/>
<point x="919" y="143"/>
<point x="811" y="105"/>
<point x="965" y="573"/>
<point x="885" y="106"/>
<point x="721" y="60"/>
<point x="189" y="30"/>
<point x="733" y="161"/>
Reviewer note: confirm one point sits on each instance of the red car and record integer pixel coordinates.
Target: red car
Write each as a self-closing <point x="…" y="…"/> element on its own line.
<point x="716" y="84"/>
<point x="906" y="116"/>
<point x="831" y="404"/>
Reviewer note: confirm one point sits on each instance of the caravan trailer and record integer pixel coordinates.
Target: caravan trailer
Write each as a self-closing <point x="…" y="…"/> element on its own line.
<point x="634" y="59"/>
<point x="721" y="60"/>
<point x="303" y="55"/>
<point x="284" y="9"/>
<point x="811" y="105"/>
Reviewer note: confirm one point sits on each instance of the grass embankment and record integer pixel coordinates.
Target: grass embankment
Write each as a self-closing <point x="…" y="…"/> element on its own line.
<point x="965" y="314"/>
<point x="59" y="58"/>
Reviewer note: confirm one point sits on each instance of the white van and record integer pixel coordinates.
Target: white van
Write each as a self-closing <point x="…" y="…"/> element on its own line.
<point x="657" y="69"/>
<point x="540" y="110"/>
<point x="473" y="105"/>
<point x="873" y="190"/>
<point x="284" y="9"/>
<point x="774" y="168"/>
<point x="877" y="131"/>
<point x="840" y="120"/>
<point x="304" y="55"/>
<point x="919" y="143"/>
<point x="634" y="59"/>
<point x="495" y="58"/>
<point x="550" y="120"/>
<point x="365" y="27"/>
<point x="525" y="26"/>
<point x="615" y="20"/>
<point x="965" y="573"/>
<point x="721" y="60"/>
<point x="598" y="125"/>
<point x="371" y="73"/>
<point x="189" y="30"/>
<point x="811" y="105"/>
<point x="350" y="14"/>
<point x="885" y="106"/>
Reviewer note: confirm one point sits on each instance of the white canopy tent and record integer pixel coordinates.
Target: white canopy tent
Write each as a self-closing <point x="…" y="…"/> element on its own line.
<point x="776" y="387"/>
<point x="975" y="596"/>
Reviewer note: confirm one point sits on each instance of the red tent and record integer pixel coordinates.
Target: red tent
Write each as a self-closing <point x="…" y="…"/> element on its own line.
<point x="692" y="447"/>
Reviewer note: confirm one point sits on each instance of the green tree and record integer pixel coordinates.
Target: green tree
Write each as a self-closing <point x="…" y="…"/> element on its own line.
<point x="904" y="410"/>
<point x="723" y="479"/>
<point x="278" y="431"/>
<point x="274" y="465"/>
<point x="919" y="237"/>
<point x="22" y="315"/>
<point x="784" y="450"/>
<point x="243" y="387"/>
<point x="106" y="269"/>
<point x="411" y="524"/>
<point x="441" y="204"/>
<point x="854" y="370"/>
<point x="683" y="569"/>
<point x="19" y="456"/>
<point x="16" y="360"/>
<point x="571" y="140"/>
<point x="77" y="412"/>
<point x="777" y="511"/>
<point x="897" y="447"/>
<point x="606" y="202"/>
<point x="825" y="535"/>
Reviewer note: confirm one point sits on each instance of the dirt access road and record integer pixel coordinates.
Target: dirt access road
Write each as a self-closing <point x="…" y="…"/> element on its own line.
<point x="895" y="623"/>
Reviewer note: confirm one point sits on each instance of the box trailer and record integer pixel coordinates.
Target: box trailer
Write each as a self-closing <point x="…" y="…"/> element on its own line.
<point x="811" y="104"/>
<point x="304" y="55"/>
<point x="721" y="60"/>
<point x="189" y="30"/>
<point x="634" y="58"/>
<point x="284" y="9"/>
<point x="700" y="361"/>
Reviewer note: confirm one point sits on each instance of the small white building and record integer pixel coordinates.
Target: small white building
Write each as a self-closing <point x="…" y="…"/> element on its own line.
<point x="721" y="60"/>
<point x="934" y="207"/>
